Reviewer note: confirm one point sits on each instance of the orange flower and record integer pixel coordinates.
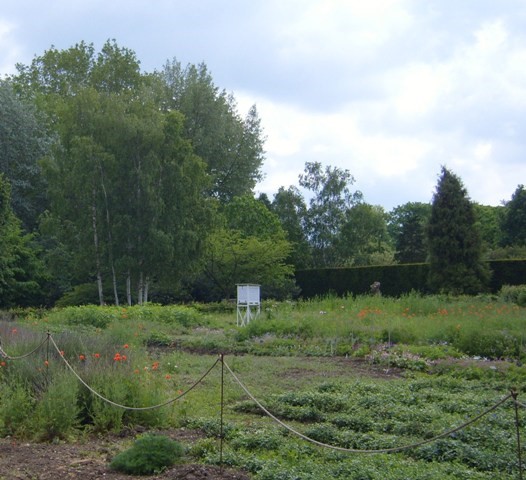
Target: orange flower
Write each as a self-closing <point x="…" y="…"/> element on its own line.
<point x="117" y="357"/>
<point x="124" y="358"/>
<point x="82" y="357"/>
<point x="167" y="376"/>
<point x="96" y="355"/>
<point x="126" y="345"/>
<point x="61" y="353"/>
<point x="2" y="364"/>
<point x="46" y="363"/>
<point x="155" y="365"/>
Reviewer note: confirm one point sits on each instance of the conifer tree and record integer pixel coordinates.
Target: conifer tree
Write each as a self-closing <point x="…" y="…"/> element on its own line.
<point x="513" y="223"/>
<point x="455" y="246"/>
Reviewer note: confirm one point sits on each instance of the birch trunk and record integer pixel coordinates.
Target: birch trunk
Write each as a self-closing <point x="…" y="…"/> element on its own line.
<point x="128" y="289"/>
<point x="96" y="244"/>
<point x="110" y="240"/>
<point x="140" y="290"/>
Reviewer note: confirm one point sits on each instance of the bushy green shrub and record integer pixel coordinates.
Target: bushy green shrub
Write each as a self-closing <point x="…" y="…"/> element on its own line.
<point x="57" y="412"/>
<point x="149" y="454"/>
<point x="513" y="294"/>
<point x="88" y="315"/>
<point x="16" y="408"/>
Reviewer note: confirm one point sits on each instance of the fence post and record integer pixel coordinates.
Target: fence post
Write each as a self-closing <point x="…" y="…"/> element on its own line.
<point x="517" y="427"/>
<point x="221" y="434"/>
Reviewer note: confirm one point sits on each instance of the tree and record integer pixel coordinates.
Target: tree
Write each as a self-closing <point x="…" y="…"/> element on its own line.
<point x="363" y="239"/>
<point x="23" y="143"/>
<point x="407" y="227"/>
<point x="126" y="187"/>
<point x="514" y="219"/>
<point x="290" y="208"/>
<point x="327" y="210"/>
<point x="252" y="218"/>
<point x="231" y="147"/>
<point x="22" y="274"/>
<point x="489" y="220"/>
<point x="455" y="246"/>
<point x="232" y="258"/>
<point x="248" y="246"/>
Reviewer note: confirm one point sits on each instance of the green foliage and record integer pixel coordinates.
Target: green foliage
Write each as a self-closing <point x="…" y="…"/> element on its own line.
<point x="21" y="270"/>
<point x="231" y="147"/>
<point x="407" y="226"/>
<point x="261" y="439"/>
<point x="23" y="142"/>
<point x="328" y="206"/>
<point x="149" y="454"/>
<point x="102" y="317"/>
<point x="83" y="294"/>
<point x="232" y="258"/>
<point x="291" y="210"/>
<point x="513" y="294"/>
<point x="514" y="219"/>
<point x="17" y="409"/>
<point x="252" y="218"/>
<point x="57" y="412"/>
<point x="363" y="238"/>
<point x="455" y="246"/>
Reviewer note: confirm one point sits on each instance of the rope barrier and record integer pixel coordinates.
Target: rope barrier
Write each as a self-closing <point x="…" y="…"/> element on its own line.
<point x="20" y="357"/>
<point x="352" y="450"/>
<point x="224" y="365"/>
<point x="107" y="400"/>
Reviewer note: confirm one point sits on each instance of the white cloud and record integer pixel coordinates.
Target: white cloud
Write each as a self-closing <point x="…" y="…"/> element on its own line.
<point x="10" y="51"/>
<point x="330" y="28"/>
<point x="389" y="89"/>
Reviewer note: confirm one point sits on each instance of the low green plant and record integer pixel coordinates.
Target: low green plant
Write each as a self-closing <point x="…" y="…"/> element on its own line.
<point x="148" y="455"/>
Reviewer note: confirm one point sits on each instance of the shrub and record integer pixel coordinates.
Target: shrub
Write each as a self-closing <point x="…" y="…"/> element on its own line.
<point x="149" y="454"/>
<point x="57" y="412"/>
<point x="17" y="406"/>
<point x="98" y="317"/>
<point x="513" y="294"/>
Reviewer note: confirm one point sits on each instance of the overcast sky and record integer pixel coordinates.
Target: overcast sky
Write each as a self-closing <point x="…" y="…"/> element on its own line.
<point x="389" y="89"/>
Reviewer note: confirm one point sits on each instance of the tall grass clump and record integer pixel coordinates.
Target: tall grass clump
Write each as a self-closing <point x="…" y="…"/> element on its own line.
<point x="57" y="412"/>
<point x="17" y="407"/>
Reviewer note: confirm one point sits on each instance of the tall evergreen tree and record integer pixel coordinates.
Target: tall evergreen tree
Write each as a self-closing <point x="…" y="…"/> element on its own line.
<point x="514" y="219"/>
<point x="455" y="246"/>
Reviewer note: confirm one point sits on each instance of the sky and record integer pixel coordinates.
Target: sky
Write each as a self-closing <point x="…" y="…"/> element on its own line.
<point x="390" y="90"/>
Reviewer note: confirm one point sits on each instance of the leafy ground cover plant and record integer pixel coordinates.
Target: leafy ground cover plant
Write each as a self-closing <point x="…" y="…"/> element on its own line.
<point x="149" y="454"/>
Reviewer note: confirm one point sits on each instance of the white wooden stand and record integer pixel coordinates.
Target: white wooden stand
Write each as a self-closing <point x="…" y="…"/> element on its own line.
<point x="248" y="303"/>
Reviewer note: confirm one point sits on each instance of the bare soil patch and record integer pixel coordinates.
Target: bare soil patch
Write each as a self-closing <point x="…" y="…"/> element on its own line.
<point x="90" y="461"/>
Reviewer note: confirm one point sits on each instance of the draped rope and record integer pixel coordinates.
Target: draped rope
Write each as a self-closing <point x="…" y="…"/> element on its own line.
<point x="115" y="404"/>
<point x="20" y="357"/>
<point x="379" y="450"/>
